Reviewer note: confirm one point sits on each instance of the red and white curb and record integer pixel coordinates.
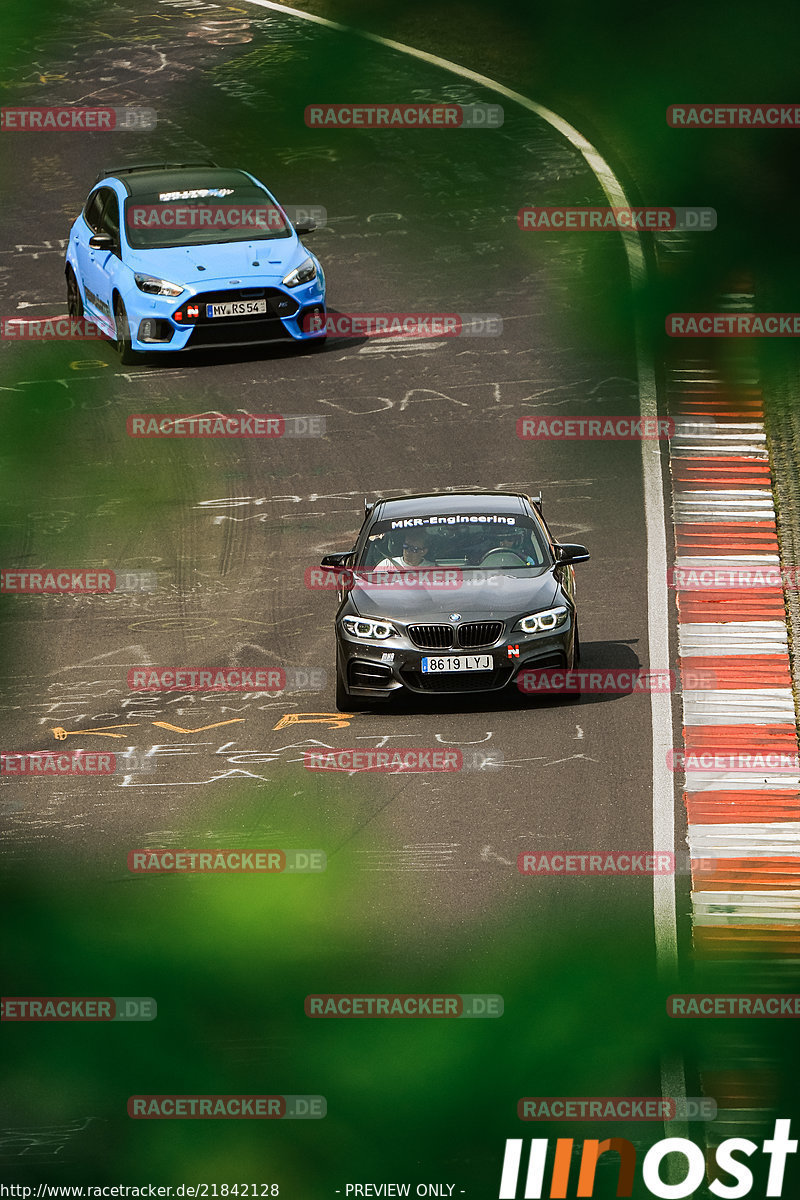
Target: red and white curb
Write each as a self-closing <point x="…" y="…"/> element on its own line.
<point x="744" y="827"/>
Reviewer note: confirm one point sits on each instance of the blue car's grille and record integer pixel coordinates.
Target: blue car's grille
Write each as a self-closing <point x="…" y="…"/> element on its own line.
<point x="241" y="332"/>
<point x="279" y="304"/>
<point x="226" y="331"/>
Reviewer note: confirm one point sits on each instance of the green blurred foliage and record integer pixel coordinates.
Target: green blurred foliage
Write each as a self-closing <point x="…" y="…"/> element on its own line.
<point x="229" y="960"/>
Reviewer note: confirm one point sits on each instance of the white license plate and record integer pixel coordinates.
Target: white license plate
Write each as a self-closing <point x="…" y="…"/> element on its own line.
<point x="236" y="308"/>
<point x="456" y="663"/>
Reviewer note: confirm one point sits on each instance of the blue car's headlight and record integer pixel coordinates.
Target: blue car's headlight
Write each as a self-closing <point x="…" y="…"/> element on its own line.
<point x="157" y="287"/>
<point x="542" y="622"/>
<point x="302" y="274"/>
<point x="362" y="627"/>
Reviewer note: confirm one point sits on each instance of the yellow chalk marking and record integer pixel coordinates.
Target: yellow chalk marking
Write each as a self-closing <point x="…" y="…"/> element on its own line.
<point x="178" y="729"/>
<point x="63" y="734"/>
<point x="332" y="720"/>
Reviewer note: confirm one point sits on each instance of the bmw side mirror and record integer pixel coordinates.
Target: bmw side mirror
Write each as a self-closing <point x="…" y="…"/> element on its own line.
<point x="305" y="227"/>
<point x="571" y="552"/>
<point x="335" y="560"/>
<point x="101" y="241"/>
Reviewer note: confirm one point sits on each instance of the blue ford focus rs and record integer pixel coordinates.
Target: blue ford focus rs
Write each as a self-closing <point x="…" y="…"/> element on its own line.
<point x="189" y="256"/>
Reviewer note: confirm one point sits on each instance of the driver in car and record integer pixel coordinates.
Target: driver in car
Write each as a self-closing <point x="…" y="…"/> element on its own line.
<point x="415" y="554"/>
<point x="505" y="539"/>
<point x="516" y="542"/>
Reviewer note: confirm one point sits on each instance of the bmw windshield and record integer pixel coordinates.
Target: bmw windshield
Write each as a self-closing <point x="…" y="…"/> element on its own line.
<point x="469" y="541"/>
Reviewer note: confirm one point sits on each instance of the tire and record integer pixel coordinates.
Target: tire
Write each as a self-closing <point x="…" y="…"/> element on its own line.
<point x="576" y="659"/>
<point x="126" y="354"/>
<point x="342" y="696"/>
<point x="74" y="301"/>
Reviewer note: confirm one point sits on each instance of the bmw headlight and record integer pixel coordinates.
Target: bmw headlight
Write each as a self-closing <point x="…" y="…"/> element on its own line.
<point x="302" y="274"/>
<point x="362" y="627"/>
<point x="545" y="621"/>
<point x="157" y="287"/>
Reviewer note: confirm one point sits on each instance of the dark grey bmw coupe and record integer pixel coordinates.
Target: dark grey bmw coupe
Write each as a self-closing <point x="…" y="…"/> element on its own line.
<point x="452" y="592"/>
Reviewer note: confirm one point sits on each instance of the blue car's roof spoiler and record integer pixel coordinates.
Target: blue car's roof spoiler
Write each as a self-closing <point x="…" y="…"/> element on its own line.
<point x="130" y="168"/>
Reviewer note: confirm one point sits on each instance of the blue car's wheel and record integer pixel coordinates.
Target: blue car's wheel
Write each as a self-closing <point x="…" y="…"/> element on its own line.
<point x="74" y="302"/>
<point x="123" y="339"/>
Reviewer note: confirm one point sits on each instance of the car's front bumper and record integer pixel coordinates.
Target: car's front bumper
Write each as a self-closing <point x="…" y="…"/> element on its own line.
<point x="163" y="323"/>
<point x="379" y="670"/>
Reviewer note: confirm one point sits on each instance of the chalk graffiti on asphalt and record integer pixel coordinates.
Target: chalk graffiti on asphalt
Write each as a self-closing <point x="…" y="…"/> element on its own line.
<point x="61" y="734"/>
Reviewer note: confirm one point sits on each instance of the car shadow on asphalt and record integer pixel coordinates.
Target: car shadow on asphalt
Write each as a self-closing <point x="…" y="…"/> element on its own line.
<point x="597" y="658"/>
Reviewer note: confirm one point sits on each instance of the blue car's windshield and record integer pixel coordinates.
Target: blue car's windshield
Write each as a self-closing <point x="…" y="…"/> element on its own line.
<point x="469" y="541"/>
<point x="202" y="216"/>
